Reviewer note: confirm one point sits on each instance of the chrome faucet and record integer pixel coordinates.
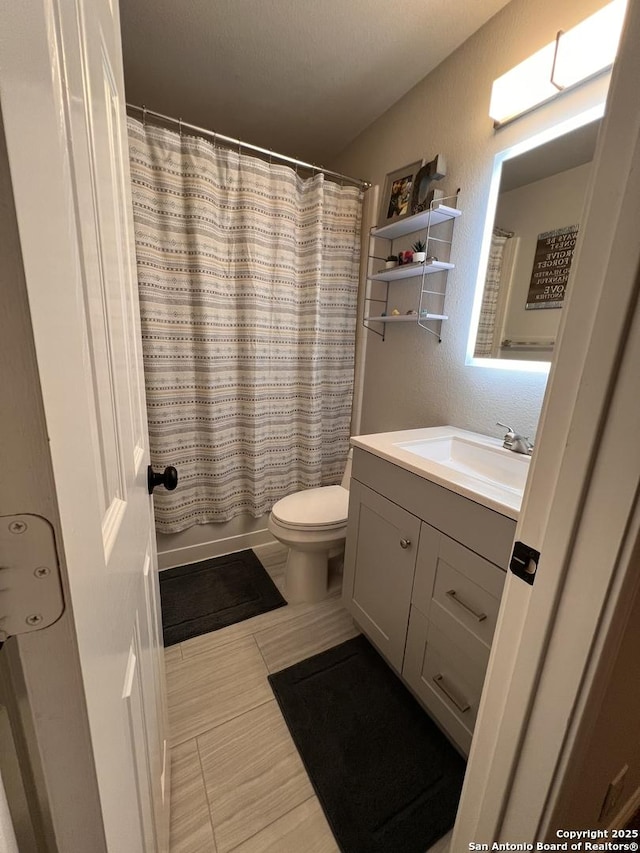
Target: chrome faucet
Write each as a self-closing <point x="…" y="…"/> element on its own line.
<point x="515" y="442"/>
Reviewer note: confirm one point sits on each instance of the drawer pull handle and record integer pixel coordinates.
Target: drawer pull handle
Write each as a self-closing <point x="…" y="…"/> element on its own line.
<point x="461" y="706"/>
<point x="479" y="616"/>
<point x="404" y="543"/>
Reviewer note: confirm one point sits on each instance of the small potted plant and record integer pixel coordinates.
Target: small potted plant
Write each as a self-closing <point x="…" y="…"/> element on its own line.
<point x="419" y="252"/>
<point x="392" y="261"/>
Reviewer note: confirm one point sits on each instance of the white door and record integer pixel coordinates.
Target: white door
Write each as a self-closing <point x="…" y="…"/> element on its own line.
<point x="64" y="114"/>
<point x="580" y="508"/>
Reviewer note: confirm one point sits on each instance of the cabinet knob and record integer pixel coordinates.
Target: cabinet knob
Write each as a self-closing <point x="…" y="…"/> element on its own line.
<point x="404" y="543"/>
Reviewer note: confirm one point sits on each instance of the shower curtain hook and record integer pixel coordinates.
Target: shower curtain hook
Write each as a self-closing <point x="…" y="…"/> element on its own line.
<point x="271" y="156"/>
<point x="239" y="148"/>
<point x="215" y="133"/>
<point x="180" y="125"/>
<point x="144" y="115"/>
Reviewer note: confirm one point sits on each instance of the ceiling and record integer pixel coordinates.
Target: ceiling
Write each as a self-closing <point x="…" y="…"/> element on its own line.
<point x="303" y="77"/>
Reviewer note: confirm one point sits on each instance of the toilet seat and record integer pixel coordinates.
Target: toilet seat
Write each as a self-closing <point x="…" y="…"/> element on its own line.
<point x="322" y="508"/>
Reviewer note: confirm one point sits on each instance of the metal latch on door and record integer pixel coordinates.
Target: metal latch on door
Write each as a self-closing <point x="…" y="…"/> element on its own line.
<point x="30" y="591"/>
<point x="524" y="562"/>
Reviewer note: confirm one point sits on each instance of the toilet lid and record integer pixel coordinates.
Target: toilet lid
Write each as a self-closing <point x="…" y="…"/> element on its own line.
<point x="326" y="506"/>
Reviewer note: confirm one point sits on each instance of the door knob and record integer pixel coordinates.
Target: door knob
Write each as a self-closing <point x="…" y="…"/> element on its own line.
<point x="168" y="478"/>
<point x="404" y="543"/>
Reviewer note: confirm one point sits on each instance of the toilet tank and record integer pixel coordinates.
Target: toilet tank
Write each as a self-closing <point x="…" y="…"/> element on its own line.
<point x="346" y="477"/>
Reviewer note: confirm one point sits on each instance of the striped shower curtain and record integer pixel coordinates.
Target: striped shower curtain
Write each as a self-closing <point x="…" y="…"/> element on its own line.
<point x="486" y="325"/>
<point x="248" y="278"/>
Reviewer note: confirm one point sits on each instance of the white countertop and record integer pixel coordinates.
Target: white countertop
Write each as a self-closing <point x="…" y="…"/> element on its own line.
<point x="493" y="495"/>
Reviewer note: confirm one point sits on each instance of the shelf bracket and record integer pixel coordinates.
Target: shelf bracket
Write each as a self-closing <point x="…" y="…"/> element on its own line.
<point x="431" y="332"/>
<point x="375" y="331"/>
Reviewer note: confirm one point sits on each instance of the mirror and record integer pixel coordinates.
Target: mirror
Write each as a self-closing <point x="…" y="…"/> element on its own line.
<point x="531" y="234"/>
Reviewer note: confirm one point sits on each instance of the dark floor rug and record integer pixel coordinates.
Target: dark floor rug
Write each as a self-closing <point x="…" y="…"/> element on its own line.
<point x="387" y="778"/>
<point x="206" y="596"/>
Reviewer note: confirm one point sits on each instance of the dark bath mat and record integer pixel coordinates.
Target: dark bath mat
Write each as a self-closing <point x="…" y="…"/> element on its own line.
<point x="387" y="778"/>
<point x="206" y="596"/>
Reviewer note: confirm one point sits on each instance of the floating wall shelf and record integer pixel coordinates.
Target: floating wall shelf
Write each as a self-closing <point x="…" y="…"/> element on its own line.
<point x="431" y="302"/>
<point x="406" y="318"/>
<point x="418" y="222"/>
<point x="411" y="271"/>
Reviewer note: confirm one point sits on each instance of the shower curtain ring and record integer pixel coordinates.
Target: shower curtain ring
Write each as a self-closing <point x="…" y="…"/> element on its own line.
<point x="271" y="156"/>
<point x="144" y="116"/>
<point x="180" y="126"/>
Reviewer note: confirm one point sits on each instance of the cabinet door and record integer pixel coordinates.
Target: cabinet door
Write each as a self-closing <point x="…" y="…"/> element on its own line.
<point x="382" y="541"/>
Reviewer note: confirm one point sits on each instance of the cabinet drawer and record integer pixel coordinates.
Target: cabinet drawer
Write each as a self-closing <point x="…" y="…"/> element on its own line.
<point x="446" y="670"/>
<point x="458" y="581"/>
<point x="467" y="600"/>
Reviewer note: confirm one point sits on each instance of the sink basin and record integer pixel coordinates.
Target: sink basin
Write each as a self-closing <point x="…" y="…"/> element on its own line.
<point x="481" y="461"/>
<point x="468" y="463"/>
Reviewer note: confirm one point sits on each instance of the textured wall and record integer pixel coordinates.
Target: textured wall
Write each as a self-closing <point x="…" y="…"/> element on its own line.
<point x="410" y="380"/>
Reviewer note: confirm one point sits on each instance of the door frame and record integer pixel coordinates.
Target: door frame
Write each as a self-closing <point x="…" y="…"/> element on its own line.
<point x="550" y="637"/>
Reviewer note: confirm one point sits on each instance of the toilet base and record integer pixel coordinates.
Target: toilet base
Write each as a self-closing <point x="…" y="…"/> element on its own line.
<point x="306" y="576"/>
<point x="307" y="571"/>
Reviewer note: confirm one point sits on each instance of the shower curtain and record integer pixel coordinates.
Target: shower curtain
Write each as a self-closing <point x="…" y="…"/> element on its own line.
<point x="486" y="323"/>
<point x="248" y="278"/>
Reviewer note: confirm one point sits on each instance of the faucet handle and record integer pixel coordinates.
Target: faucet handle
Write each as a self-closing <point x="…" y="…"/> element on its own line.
<point x="516" y="442"/>
<point x="510" y="431"/>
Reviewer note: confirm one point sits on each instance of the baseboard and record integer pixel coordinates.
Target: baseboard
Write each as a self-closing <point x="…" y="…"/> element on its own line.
<point x="627" y="811"/>
<point x="216" y="548"/>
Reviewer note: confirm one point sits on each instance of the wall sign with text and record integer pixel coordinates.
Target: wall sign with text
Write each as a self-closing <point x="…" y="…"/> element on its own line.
<point x="551" y="266"/>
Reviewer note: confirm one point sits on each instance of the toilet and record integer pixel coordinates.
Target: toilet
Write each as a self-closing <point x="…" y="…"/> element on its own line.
<point x="311" y="523"/>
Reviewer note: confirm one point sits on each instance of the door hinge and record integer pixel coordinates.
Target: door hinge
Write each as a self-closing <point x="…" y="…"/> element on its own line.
<point x="524" y="562"/>
<point x="30" y="591"/>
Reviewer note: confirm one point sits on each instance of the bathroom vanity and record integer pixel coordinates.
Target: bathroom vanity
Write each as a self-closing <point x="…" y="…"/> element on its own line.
<point x="432" y="516"/>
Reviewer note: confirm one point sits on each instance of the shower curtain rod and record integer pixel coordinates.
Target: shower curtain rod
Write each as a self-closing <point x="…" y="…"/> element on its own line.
<point x="233" y="142"/>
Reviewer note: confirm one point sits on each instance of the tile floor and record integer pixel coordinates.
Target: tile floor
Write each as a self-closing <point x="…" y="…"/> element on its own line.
<point x="237" y="781"/>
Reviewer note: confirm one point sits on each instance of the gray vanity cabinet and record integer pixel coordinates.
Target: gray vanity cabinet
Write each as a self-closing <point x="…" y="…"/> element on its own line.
<point x="423" y="577"/>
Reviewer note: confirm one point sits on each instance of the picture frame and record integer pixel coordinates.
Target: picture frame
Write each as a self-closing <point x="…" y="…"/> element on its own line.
<point x="422" y="194"/>
<point x="396" y="199"/>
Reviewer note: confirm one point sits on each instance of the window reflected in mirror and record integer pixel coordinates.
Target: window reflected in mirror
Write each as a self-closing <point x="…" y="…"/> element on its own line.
<point x="536" y="223"/>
